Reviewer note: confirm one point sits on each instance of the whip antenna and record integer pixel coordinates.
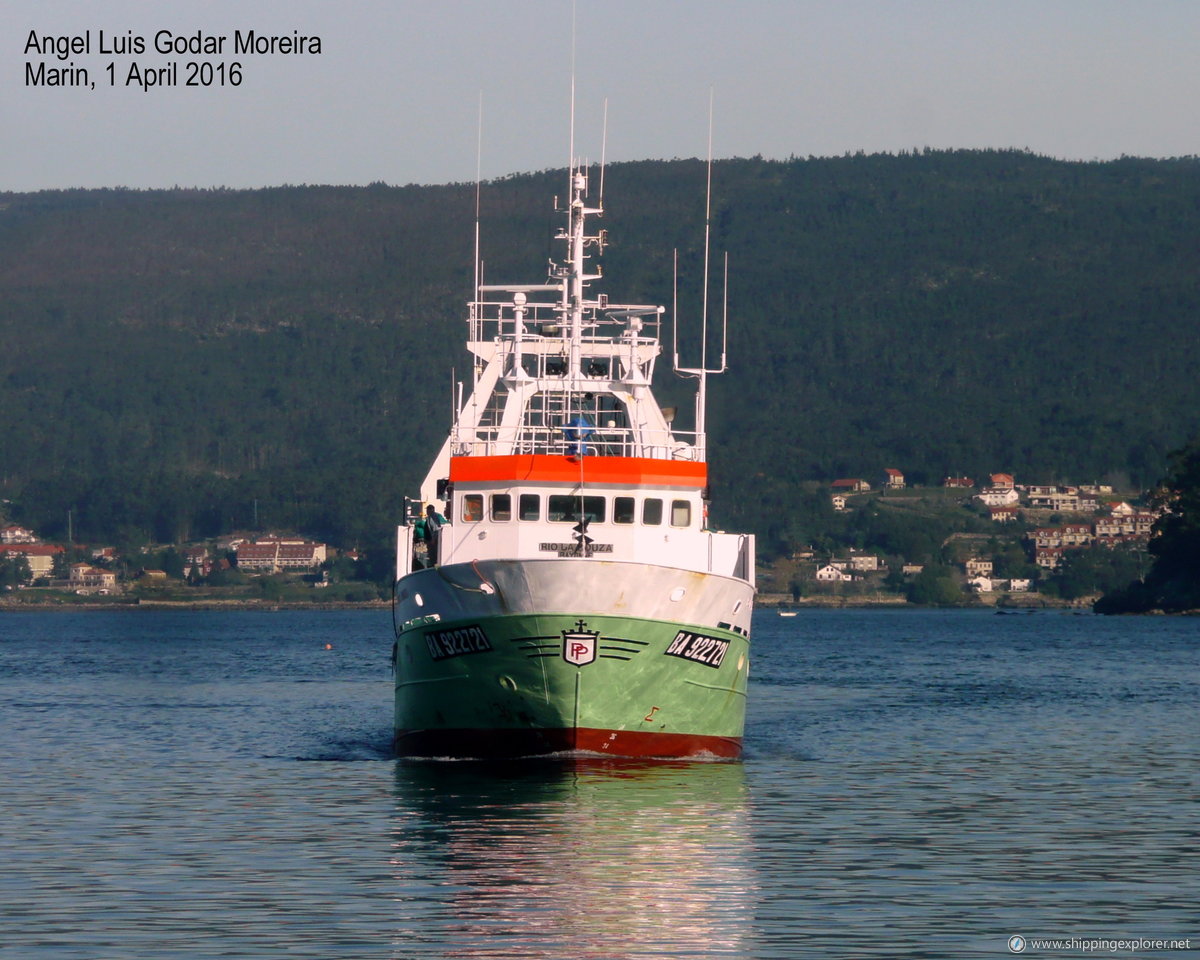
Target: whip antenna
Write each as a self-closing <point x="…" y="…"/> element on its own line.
<point x="707" y="233"/>
<point x="478" y="178"/>
<point x="603" y="151"/>
<point x="571" y="145"/>
<point x="675" y="311"/>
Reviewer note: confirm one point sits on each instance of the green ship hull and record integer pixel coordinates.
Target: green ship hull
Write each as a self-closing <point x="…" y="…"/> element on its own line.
<point x="529" y="684"/>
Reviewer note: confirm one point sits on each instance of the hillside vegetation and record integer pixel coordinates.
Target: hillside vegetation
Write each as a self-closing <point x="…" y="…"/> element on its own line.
<point x="177" y="363"/>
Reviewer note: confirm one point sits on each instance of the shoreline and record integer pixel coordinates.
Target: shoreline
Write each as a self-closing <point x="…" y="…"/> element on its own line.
<point x="1033" y="601"/>
<point x="767" y="602"/>
<point x="116" y="606"/>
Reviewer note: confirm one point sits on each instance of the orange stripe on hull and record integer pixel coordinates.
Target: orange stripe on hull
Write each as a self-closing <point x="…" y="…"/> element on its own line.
<point x="548" y="468"/>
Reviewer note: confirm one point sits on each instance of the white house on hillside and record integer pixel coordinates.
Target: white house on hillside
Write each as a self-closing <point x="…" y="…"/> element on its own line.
<point x="977" y="567"/>
<point x="999" y="496"/>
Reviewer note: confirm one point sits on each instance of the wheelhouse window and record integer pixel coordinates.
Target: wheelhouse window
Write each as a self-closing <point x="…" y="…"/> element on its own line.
<point x="501" y="506"/>
<point x="681" y="513"/>
<point x="472" y="510"/>
<point x="624" y="510"/>
<point x="530" y="506"/>
<point x="569" y="508"/>
<point x="652" y="512"/>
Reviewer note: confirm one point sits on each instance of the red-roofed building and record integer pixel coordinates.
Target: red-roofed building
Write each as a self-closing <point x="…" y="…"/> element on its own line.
<point x="893" y="479"/>
<point x="274" y="555"/>
<point x="853" y="483"/>
<point x="1048" y="557"/>
<point x="1046" y="537"/>
<point x="197" y="558"/>
<point x="88" y="579"/>
<point x="1143" y="523"/>
<point x="1076" y="534"/>
<point x="1133" y="526"/>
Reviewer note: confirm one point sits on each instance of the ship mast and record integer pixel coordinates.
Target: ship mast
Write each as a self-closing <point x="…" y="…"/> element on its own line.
<point x="573" y="272"/>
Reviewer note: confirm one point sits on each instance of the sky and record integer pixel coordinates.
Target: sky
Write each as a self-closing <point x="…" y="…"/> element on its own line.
<point x="399" y="87"/>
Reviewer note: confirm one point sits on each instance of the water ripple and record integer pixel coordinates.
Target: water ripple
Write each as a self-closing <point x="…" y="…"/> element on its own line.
<point x="915" y="784"/>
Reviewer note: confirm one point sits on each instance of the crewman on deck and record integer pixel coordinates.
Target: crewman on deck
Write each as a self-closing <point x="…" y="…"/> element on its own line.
<point x="427" y="530"/>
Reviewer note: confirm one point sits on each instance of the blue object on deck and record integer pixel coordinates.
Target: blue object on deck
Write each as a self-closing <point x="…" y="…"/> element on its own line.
<point x="577" y="431"/>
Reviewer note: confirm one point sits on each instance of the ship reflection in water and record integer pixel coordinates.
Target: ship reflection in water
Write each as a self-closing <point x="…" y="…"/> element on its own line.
<point x="572" y="859"/>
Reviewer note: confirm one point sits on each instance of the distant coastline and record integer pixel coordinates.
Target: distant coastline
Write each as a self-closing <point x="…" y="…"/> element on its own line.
<point x="766" y="601"/>
<point x="118" y="604"/>
<point x="1033" y="601"/>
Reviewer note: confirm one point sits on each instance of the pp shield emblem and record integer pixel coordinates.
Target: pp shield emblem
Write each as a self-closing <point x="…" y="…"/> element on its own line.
<point x="579" y="645"/>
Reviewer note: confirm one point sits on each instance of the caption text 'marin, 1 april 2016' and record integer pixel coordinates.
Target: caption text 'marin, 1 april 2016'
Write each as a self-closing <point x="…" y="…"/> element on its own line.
<point x="60" y="69"/>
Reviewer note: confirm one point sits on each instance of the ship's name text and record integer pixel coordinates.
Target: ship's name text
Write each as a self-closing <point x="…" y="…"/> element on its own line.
<point x="575" y="549"/>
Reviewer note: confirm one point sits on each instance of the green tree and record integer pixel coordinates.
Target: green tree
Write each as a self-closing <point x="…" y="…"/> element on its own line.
<point x="60" y="566"/>
<point x="1010" y="561"/>
<point x="1173" y="582"/>
<point x="269" y="291"/>
<point x="273" y="587"/>
<point x="1094" y="570"/>
<point x="895" y="581"/>
<point x="935" y="586"/>
<point x="341" y="569"/>
<point x="171" y="563"/>
<point x="14" y="571"/>
<point x="225" y="575"/>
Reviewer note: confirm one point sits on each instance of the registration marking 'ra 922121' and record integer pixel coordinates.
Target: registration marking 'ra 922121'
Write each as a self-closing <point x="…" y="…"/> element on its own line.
<point x="698" y="648"/>
<point x="454" y="643"/>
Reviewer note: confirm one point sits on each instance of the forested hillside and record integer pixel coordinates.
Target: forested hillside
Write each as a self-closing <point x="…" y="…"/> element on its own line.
<point x="174" y="361"/>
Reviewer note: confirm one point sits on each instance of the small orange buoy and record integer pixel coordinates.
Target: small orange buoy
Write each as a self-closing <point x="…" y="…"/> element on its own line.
<point x="329" y="646"/>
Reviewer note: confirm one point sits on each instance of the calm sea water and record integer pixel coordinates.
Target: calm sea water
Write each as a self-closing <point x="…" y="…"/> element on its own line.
<point x="916" y="784"/>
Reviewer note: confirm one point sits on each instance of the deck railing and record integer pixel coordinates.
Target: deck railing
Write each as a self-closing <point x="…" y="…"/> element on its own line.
<point x="572" y="441"/>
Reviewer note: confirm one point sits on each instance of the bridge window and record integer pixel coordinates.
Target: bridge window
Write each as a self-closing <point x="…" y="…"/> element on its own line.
<point x="681" y="513"/>
<point x="530" y="506"/>
<point x="501" y="506"/>
<point x="472" y="511"/>
<point x="652" y="512"/>
<point x="567" y="508"/>
<point x="624" y="510"/>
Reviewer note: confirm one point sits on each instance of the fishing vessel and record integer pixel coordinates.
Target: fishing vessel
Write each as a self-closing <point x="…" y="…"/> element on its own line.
<point x="575" y="600"/>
